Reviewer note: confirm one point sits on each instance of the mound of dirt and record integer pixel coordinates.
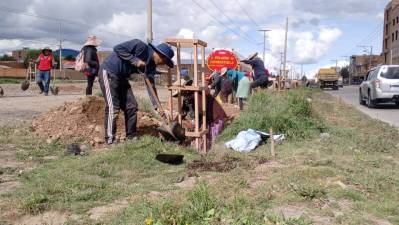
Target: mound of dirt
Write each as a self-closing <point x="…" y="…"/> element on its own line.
<point x="83" y="120"/>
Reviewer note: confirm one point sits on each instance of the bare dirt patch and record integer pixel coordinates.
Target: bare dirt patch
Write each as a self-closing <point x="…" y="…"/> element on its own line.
<point x="83" y="120"/>
<point x="213" y="166"/>
<point x="52" y="217"/>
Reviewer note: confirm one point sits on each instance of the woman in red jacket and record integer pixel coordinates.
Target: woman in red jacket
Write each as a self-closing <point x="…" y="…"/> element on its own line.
<point x="45" y="63"/>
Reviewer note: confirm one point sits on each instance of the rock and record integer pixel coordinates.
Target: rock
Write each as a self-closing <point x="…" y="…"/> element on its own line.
<point x="97" y="129"/>
<point x="49" y="141"/>
<point x="325" y="136"/>
<point x="98" y="140"/>
<point x="75" y="110"/>
<point x="91" y="127"/>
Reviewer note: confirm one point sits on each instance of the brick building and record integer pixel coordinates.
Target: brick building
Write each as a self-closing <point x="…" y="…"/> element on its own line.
<point x="391" y="32"/>
<point x="360" y="65"/>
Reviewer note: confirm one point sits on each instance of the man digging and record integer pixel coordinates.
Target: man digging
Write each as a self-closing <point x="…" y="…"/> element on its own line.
<point x="131" y="57"/>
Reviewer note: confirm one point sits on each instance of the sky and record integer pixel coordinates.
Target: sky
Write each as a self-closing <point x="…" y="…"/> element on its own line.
<point x="319" y="30"/>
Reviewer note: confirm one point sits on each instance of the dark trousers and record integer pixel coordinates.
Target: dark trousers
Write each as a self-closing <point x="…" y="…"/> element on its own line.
<point x="90" y="83"/>
<point x="260" y="82"/>
<point x="118" y="96"/>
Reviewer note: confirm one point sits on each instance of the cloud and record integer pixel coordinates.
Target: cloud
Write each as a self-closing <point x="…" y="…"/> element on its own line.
<point x="309" y="49"/>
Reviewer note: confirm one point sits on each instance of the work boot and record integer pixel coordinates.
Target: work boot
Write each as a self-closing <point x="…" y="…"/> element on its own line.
<point x="45" y="93"/>
<point x="132" y="138"/>
<point x="41" y="87"/>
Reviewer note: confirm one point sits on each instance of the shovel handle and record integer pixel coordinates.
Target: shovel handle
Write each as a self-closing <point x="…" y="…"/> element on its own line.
<point x="155" y="96"/>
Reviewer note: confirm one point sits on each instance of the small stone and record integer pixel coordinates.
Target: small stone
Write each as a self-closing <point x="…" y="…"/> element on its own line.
<point x="97" y="128"/>
<point x="91" y="127"/>
<point x="325" y="136"/>
<point x="98" y="140"/>
<point x="49" y="141"/>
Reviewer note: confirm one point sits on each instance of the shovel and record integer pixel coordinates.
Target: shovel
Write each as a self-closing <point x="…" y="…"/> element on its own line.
<point x="54" y="89"/>
<point x="171" y="131"/>
<point x="26" y="83"/>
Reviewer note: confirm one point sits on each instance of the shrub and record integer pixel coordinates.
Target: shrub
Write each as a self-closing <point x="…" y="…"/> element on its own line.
<point x="289" y="113"/>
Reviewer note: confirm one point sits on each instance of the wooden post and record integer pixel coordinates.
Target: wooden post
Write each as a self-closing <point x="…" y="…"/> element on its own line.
<point x="170" y="93"/>
<point x="196" y="96"/>
<point x="178" y="77"/>
<point x="272" y="143"/>
<point x="204" y="125"/>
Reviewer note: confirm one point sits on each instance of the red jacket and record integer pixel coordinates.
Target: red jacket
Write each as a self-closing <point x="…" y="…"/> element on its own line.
<point x="45" y="62"/>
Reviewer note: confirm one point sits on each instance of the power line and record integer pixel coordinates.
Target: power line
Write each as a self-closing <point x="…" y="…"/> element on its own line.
<point x="222" y="23"/>
<point x="247" y="14"/>
<point x="229" y="19"/>
<point x="53" y="19"/>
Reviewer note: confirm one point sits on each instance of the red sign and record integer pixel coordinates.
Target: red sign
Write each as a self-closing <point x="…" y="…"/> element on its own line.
<point x="219" y="59"/>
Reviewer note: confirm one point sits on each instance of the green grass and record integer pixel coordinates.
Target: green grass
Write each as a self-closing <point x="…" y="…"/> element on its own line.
<point x="289" y="113"/>
<point x="306" y="177"/>
<point x="10" y="81"/>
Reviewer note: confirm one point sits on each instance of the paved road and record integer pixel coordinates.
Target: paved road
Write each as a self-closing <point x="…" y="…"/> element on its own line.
<point x="388" y="112"/>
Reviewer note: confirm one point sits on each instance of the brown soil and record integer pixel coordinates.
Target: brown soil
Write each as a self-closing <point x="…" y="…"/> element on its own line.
<point x="213" y="166"/>
<point x="82" y="120"/>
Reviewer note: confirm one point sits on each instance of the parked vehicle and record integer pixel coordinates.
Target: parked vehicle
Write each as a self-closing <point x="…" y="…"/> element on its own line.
<point x="328" y="78"/>
<point x="380" y="85"/>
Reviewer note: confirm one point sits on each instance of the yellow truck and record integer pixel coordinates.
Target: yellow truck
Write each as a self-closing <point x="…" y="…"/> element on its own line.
<point x="327" y="78"/>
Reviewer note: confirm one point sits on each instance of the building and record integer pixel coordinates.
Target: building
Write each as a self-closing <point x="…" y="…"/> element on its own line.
<point x="360" y="65"/>
<point x="20" y="55"/>
<point x="391" y="32"/>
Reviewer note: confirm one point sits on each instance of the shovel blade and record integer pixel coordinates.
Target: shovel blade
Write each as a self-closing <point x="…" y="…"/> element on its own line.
<point x="54" y="90"/>
<point x="25" y="85"/>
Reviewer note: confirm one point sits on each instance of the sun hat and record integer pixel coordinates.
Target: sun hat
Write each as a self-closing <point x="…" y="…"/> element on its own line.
<point x="93" y="40"/>
<point x="252" y="56"/>
<point x="223" y="71"/>
<point x="46" y="49"/>
<point x="166" y="51"/>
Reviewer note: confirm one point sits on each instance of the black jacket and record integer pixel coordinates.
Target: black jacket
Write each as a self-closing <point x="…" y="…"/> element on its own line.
<point x="124" y="59"/>
<point x="91" y="58"/>
<point x="258" y="66"/>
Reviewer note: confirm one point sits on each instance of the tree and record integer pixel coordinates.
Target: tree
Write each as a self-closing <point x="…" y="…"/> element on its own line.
<point x="344" y="73"/>
<point x="32" y="54"/>
<point x="6" y="57"/>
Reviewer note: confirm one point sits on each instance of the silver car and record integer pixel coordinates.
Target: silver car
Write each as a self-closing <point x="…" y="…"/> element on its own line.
<point x="380" y="85"/>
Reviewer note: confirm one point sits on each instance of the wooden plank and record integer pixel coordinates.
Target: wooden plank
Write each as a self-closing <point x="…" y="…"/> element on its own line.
<point x="185" y="43"/>
<point x="196" y="134"/>
<point x="170" y="93"/>
<point x="186" y="88"/>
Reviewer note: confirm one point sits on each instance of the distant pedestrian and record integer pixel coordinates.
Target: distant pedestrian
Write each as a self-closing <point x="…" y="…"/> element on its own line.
<point x="241" y="84"/>
<point x="260" y="73"/>
<point x="45" y="63"/>
<point x="91" y="61"/>
<point x="131" y="57"/>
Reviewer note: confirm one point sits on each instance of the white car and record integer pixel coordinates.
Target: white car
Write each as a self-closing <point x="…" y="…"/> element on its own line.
<point x="381" y="85"/>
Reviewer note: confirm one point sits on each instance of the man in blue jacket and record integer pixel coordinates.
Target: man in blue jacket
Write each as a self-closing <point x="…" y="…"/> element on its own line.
<point x="260" y="73"/>
<point x="131" y="57"/>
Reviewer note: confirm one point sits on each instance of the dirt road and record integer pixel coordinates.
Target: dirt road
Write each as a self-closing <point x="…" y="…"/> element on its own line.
<point x="17" y="107"/>
<point x="386" y="112"/>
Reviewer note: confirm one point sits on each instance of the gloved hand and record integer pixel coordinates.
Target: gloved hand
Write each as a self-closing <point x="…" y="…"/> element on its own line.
<point x="140" y="64"/>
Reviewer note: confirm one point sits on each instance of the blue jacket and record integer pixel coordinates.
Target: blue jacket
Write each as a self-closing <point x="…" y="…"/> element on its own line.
<point x="258" y="66"/>
<point x="125" y="57"/>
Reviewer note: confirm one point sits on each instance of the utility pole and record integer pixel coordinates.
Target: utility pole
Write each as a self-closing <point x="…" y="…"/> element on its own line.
<point x="370" y="53"/>
<point x="60" y="52"/>
<point x="281" y="63"/>
<point x="150" y="34"/>
<point x="301" y="70"/>
<point x="264" y="43"/>
<point x="285" y="48"/>
<point x="349" y="67"/>
<point x="336" y="64"/>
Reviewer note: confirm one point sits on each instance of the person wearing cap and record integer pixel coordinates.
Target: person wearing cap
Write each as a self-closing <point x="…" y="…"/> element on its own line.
<point x="45" y="63"/>
<point x="260" y="76"/>
<point x="91" y="60"/>
<point x="131" y="57"/>
<point x="241" y="84"/>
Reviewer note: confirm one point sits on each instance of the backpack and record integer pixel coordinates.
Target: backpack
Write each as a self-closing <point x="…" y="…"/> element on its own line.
<point x="80" y="64"/>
